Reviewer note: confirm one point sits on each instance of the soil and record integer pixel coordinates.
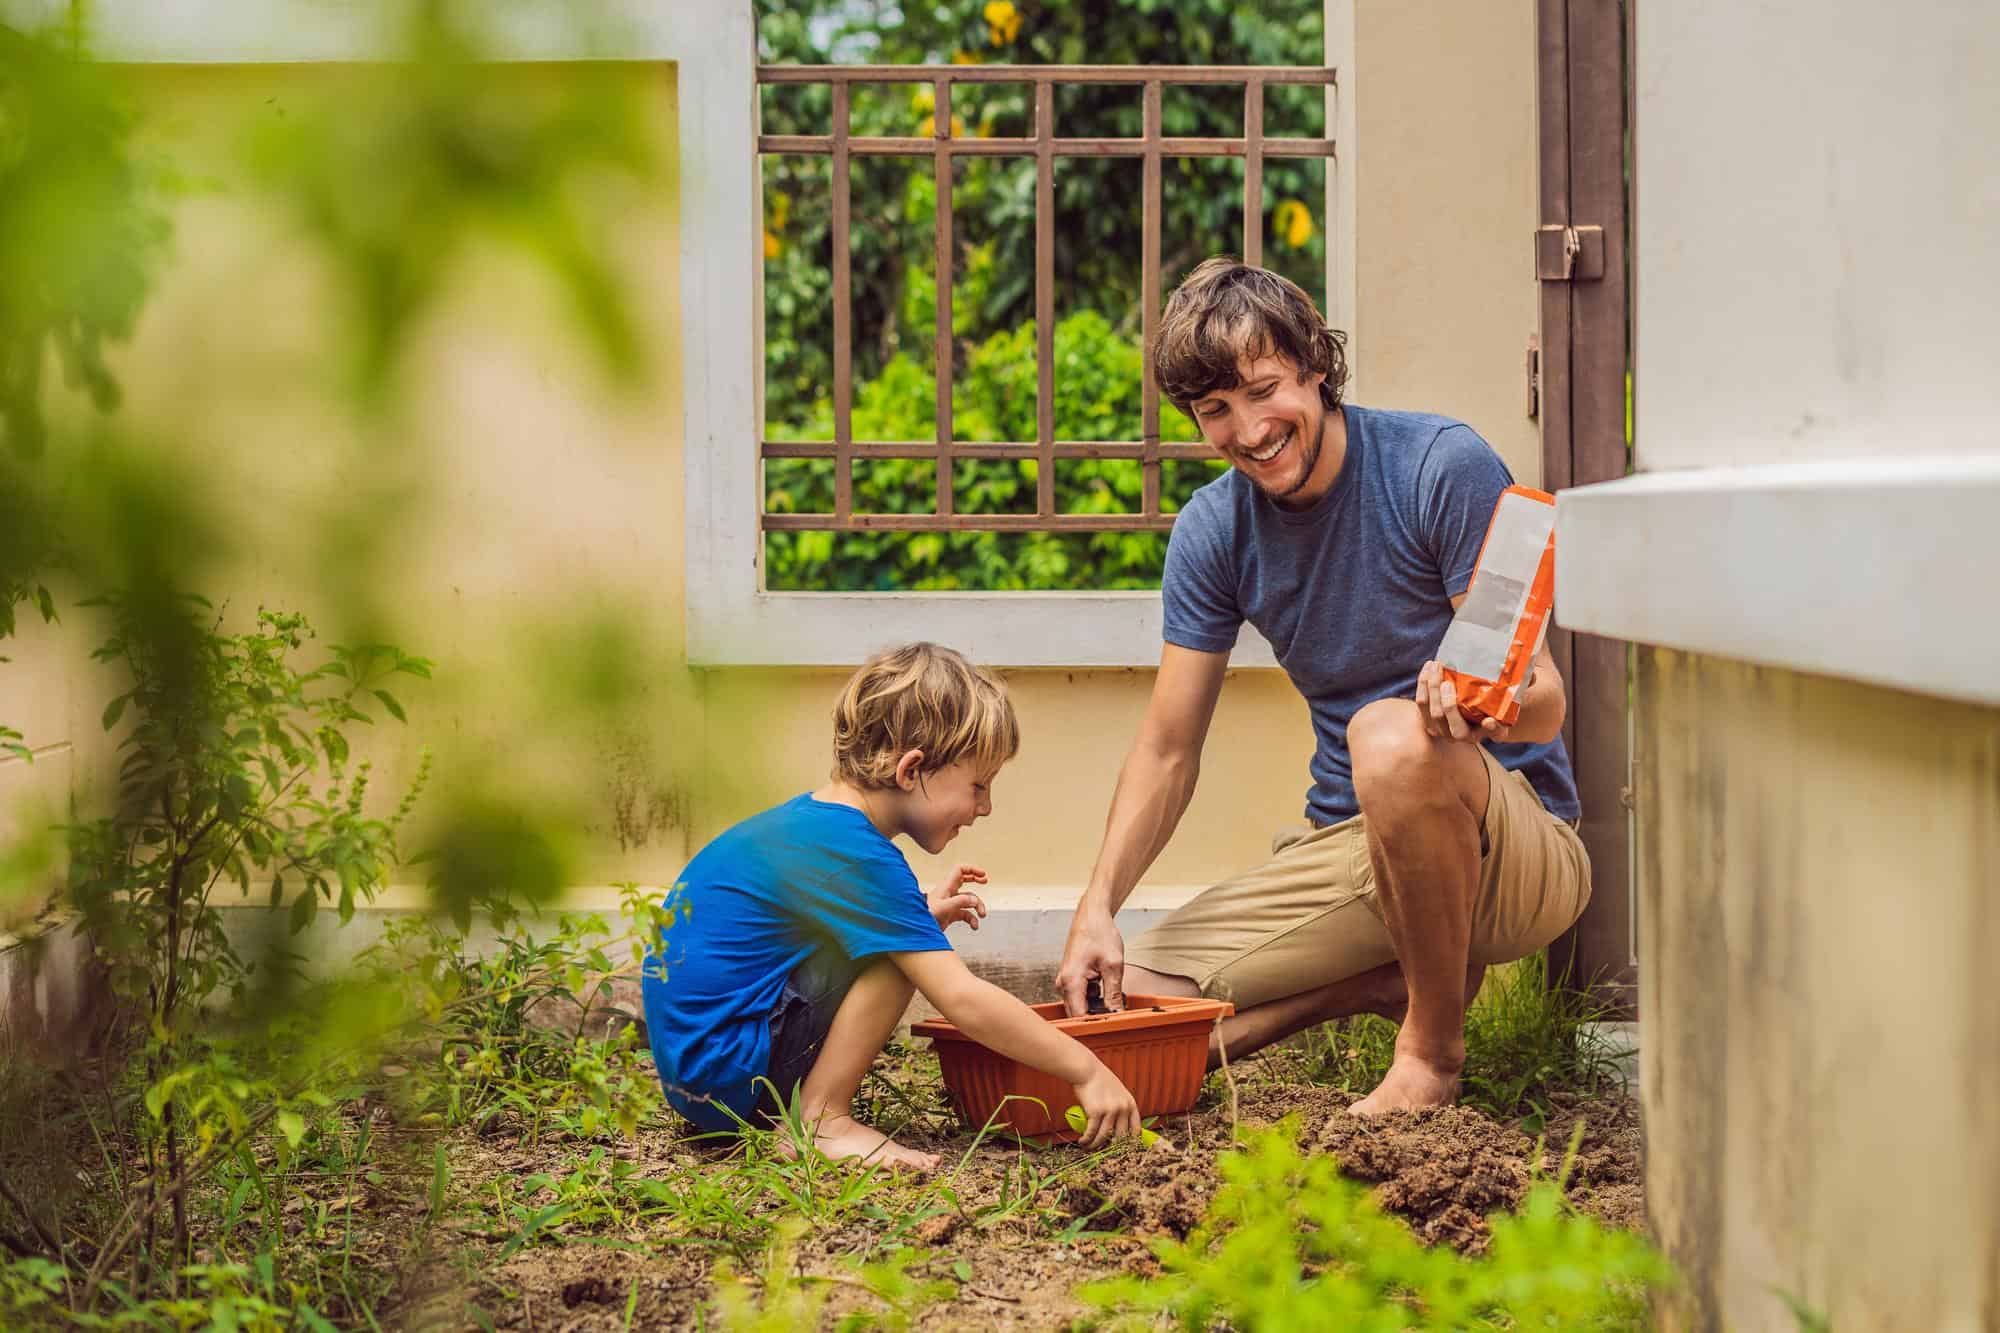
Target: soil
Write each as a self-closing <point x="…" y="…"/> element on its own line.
<point x="1442" y="1171"/>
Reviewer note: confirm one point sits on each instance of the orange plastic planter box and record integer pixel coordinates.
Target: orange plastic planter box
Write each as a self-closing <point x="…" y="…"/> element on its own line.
<point x="1157" y="1046"/>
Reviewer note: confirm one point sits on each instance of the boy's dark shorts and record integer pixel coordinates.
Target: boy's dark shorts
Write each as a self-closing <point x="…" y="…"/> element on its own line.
<point x="800" y="1021"/>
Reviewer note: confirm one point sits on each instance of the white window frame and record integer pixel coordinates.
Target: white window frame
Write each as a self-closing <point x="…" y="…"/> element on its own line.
<point x="731" y="619"/>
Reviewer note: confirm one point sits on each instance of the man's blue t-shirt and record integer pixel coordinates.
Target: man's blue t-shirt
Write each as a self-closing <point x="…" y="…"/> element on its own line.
<point x="1354" y="593"/>
<point x="755" y="903"/>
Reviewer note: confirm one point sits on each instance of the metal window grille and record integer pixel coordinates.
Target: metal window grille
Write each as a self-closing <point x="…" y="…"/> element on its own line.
<point x="1044" y="147"/>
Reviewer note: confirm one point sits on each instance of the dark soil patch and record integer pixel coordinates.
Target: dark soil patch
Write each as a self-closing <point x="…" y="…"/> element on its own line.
<point x="1444" y="1170"/>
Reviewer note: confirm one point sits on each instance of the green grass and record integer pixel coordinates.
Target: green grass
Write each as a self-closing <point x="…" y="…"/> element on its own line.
<point x="1525" y="1040"/>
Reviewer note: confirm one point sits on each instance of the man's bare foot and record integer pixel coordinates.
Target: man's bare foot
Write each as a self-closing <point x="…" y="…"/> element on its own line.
<point x="1410" y="1084"/>
<point x="843" y="1137"/>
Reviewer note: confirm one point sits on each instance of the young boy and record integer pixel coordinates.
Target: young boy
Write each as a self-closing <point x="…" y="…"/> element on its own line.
<point x="804" y="930"/>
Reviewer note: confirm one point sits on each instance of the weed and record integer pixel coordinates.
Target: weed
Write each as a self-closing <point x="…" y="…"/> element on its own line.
<point x="1804" y="1316"/>
<point x="496" y="1047"/>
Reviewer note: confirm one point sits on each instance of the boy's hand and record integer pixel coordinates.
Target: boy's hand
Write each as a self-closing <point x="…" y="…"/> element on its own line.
<point x="1108" y="1109"/>
<point x="951" y="903"/>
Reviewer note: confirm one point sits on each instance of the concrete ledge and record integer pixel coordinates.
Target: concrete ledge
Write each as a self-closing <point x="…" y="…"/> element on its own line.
<point x="1877" y="570"/>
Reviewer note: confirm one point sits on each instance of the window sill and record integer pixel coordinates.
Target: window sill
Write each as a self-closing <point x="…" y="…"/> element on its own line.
<point x="1015" y="629"/>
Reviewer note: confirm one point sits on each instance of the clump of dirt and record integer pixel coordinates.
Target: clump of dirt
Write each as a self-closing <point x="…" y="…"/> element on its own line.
<point x="1608" y="1177"/>
<point x="1146" y="1194"/>
<point x="580" y="1287"/>
<point x="1442" y="1169"/>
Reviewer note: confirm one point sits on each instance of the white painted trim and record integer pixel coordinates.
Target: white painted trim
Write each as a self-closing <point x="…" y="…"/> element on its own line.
<point x="1876" y="569"/>
<point x="1342" y="205"/>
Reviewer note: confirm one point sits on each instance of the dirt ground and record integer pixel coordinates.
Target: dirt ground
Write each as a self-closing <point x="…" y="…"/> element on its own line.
<point x="1071" y="1220"/>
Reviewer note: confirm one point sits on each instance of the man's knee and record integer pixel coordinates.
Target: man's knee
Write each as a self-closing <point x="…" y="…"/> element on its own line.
<point x="1396" y="761"/>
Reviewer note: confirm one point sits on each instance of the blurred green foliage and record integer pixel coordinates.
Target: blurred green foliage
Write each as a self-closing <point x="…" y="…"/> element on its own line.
<point x="1097" y="270"/>
<point x="81" y="231"/>
<point x="229" y="1071"/>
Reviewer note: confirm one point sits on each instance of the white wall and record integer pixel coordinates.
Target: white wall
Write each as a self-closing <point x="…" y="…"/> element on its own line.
<point x="1817" y="355"/>
<point x="1818" y="229"/>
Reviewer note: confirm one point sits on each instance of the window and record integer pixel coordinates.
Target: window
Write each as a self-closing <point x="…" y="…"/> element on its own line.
<point x="758" y="592"/>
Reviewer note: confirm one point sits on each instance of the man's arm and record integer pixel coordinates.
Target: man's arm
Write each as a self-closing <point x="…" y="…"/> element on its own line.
<point x="1543" y="700"/>
<point x="1153" y="791"/>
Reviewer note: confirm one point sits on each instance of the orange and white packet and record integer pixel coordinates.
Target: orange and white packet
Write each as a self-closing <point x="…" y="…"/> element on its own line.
<point x="1490" y="649"/>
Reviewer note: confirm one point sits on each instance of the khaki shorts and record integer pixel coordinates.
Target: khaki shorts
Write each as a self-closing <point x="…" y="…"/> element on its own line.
<point x="1309" y="915"/>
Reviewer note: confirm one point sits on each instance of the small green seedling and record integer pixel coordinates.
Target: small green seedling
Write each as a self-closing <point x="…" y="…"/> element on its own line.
<point x="1078" y="1121"/>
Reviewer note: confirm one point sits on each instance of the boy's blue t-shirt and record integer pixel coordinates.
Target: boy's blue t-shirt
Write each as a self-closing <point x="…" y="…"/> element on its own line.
<point x="754" y="904"/>
<point x="1354" y="593"/>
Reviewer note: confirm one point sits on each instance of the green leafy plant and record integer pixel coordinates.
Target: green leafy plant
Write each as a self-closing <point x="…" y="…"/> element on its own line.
<point x="81" y="231"/>
<point x="235" y="764"/>
<point x="1289" y="1244"/>
<point x="528" y="1027"/>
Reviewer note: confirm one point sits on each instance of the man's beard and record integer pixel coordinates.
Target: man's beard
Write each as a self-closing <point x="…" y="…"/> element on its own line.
<point x="1311" y="453"/>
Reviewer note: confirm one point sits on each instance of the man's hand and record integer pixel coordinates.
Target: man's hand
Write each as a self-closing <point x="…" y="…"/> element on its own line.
<point x="1108" y="1109"/>
<point x="1437" y="703"/>
<point x="1093" y="950"/>
<point x="950" y="902"/>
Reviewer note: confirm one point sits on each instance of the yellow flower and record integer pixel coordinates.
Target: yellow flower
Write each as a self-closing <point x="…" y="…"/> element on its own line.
<point x="773" y="247"/>
<point x="964" y="57"/>
<point x="1293" y="222"/>
<point x="1003" y="22"/>
<point x="923" y="99"/>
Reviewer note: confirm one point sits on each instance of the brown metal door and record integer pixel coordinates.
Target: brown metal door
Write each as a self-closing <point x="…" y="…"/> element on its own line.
<point x="1580" y="259"/>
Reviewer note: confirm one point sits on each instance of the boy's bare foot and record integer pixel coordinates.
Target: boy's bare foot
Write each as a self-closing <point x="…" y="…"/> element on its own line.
<point x="843" y="1137"/>
<point x="1410" y="1084"/>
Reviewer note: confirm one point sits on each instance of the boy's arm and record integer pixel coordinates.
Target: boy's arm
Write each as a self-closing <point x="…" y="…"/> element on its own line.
<point x="1001" y="1023"/>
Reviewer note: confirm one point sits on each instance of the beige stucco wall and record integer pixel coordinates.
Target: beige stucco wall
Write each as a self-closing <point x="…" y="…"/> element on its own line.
<point x="553" y="507"/>
<point x="1818" y="936"/>
<point x="1444" y="163"/>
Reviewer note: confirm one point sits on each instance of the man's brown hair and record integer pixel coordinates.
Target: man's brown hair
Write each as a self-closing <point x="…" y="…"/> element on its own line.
<point x="1227" y="313"/>
<point x="920" y="697"/>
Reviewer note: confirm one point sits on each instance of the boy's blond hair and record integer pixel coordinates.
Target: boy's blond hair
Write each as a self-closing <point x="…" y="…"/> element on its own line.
<point x="920" y="697"/>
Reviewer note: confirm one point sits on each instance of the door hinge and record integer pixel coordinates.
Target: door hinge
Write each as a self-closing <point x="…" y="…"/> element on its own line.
<point x="1569" y="254"/>
<point x="1534" y="369"/>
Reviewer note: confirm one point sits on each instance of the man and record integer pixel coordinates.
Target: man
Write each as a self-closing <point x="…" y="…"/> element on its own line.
<point x="1347" y="536"/>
